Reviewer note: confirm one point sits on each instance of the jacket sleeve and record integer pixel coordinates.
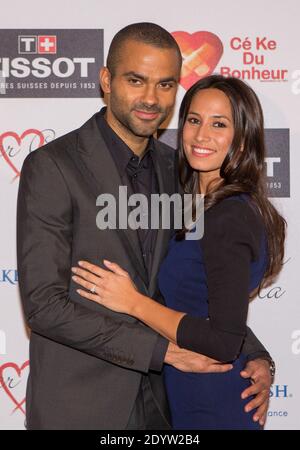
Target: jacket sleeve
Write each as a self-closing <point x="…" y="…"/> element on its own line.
<point x="231" y="241"/>
<point x="252" y="348"/>
<point x="44" y="249"/>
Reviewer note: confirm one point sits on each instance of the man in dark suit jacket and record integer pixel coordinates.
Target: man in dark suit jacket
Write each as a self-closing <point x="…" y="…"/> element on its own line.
<point x="91" y="368"/>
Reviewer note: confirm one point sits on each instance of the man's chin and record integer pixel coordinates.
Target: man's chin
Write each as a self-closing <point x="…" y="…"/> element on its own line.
<point x="144" y="132"/>
<point x="147" y="130"/>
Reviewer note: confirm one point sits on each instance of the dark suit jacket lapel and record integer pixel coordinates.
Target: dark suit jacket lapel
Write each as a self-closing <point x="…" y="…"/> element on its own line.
<point x="99" y="167"/>
<point x="165" y="170"/>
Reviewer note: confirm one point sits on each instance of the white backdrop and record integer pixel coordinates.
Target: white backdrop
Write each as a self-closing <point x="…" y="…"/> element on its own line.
<point x="275" y="318"/>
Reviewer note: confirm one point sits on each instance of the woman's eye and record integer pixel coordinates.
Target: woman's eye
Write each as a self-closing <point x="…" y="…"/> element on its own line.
<point x="219" y="125"/>
<point x="193" y="120"/>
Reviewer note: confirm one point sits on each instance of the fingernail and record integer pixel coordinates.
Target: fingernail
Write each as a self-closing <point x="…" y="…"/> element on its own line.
<point x="78" y="290"/>
<point x="80" y="263"/>
<point x="74" y="269"/>
<point x="255" y="418"/>
<point x="74" y="278"/>
<point x="106" y="261"/>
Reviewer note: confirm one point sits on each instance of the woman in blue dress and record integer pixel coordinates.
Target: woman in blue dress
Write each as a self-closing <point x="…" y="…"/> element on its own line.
<point x="207" y="283"/>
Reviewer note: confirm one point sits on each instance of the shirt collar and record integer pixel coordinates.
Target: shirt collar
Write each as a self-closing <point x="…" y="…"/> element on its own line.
<point x="121" y="153"/>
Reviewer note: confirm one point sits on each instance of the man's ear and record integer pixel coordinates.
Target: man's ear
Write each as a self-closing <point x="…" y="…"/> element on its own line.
<point x="105" y="80"/>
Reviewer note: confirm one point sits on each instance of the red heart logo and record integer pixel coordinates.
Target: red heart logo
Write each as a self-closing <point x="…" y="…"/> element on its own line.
<point x="201" y="52"/>
<point x="7" y="388"/>
<point x="18" y="139"/>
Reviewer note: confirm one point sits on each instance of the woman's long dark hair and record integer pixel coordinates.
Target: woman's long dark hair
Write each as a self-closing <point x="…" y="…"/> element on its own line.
<point x="241" y="171"/>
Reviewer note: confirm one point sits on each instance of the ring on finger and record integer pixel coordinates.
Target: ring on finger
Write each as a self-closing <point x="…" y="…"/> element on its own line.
<point x="93" y="289"/>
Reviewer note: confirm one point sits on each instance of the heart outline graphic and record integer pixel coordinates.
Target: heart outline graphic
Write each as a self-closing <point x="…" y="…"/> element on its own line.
<point x="19" y="141"/>
<point x="6" y="389"/>
<point x="201" y="52"/>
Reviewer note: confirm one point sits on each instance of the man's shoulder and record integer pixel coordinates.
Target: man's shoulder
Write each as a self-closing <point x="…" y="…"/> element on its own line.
<point x="56" y="149"/>
<point x="165" y="150"/>
<point x="163" y="146"/>
<point x="61" y="142"/>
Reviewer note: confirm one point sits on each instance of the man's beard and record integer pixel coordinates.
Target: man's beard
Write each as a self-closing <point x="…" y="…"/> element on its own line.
<point x="134" y="125"/>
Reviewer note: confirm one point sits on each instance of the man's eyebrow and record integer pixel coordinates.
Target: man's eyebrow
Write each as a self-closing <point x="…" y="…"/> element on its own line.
<point x="168" y="79"/>
<point x="135" y="75"/>
<point x="144" y="78"/>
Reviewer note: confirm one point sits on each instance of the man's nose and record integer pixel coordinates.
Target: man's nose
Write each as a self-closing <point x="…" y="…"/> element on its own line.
<point x="150" y="96"/>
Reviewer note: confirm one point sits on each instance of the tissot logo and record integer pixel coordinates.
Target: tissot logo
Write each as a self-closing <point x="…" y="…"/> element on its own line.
<point x="277" y="160"/>
<point x="50" y="63"/>
<point x="37" y="44"/>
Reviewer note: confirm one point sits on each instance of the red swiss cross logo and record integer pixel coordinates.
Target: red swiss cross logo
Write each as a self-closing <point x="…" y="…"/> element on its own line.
<point x="46" y="44"/>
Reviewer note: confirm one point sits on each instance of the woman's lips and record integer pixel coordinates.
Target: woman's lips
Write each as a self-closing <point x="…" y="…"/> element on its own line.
<point x="202" y="152"/>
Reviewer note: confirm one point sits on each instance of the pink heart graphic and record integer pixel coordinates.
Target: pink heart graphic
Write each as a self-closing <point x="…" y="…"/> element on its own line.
<point x="7" y="389"/>
<point x="201" y="53"/>
<point x="19" y="141"/>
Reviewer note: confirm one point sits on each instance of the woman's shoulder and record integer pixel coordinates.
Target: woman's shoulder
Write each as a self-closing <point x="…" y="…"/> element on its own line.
<point x="234" y="220"/>
<point x="236" y="208"/>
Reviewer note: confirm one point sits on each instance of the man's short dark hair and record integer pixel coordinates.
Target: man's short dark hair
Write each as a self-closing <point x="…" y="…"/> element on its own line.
<point x="144" y="32"/>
